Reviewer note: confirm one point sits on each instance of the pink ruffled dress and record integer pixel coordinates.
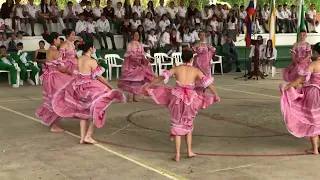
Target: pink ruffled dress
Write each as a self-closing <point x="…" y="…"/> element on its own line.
<point x="291" y="73"/>
<point x="70" y="58"/>
<point x="136" y="70"/>
<point x="52" y="80"/>
<point x="85" y="98"/>
<point x="203" y="61"/>
<point x="183" y="102"/>
<point x="300" y="107"/>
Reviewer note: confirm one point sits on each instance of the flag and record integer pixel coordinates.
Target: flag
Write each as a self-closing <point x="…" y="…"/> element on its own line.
<point x="272" y="22"/>
<point x="248" y="21"/>
<point x="300" y="24"/>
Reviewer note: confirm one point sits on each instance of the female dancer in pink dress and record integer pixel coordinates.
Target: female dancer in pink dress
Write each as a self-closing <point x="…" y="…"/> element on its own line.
<point x="68" y="51"/>
<point x="87" y="96"/>
<point x="53" y="78"/>
<point x="136" y="69"/>
<point x="300" y="107"/>
<point x="183" y="101"/>
<point x="301" y="58"/>
<point x="203" y="59"/>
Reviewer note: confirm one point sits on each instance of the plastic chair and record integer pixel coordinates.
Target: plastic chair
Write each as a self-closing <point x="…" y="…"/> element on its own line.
<point x="177" y="58"/>
<point x="161" y="60"/>
<point x="217" y="62"/>
<point x="148" y="56"/>
<point x="111" y="60"/>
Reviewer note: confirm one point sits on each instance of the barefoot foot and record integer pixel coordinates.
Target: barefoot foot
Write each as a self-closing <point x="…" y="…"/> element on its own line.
<point x="55" y="128"/>
<point x="89" y="140"/>
<point x="191" y="155"/>
<point x="176" y="158"/>
<point x="135" y="99"/>
<point x="312" y="151"/>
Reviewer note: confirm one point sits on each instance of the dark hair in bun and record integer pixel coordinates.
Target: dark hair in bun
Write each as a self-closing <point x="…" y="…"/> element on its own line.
<point x="317" y="47"/>
<point x="187" y="55"/>
<point x="67" y="32"/>
<point x="85" y="47"/>
<point x="50" y="37"/>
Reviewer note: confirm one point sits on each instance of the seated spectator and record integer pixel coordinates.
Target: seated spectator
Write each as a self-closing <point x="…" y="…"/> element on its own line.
<point x="149" y="23"/>
<point x="175" y="40"/>
<point x="287" y="15"/>
<point x="214" y="29"/>
<point x="135" y="22"/>
<point x="196" y="20"/>
<point x="2" y="25"/>
<point x="137" y="8"/>
<point x="97" y="10"/>
<point x="312" y="18"/>
<point x="78" y="7"/>
<point x="182" y="12"/>
<point x="55" y="16"/>
<point x="18" y="14"/>
<point x="31" y="11"/>
<point x="4" y="41"/>
<point x="196" y="32"/>
<point x="224" y="14"/>
<point x="172" y="12"/>
<point x="152" y="42"/>
<point x="192" y="10"/>
<point x="294" y="18"/>
<point x="127" y="9"/>
<point x="242" y="17"/>
<point x="188" y="38"/>
<point x="257" y="21"/>
<point x="230" y="51"/>
<point x="206" y="15"/>
<point x="76" y="44"/>
<point x="103" y="28"/>
<point x="7" y="64"/>
<point x="25" y="63"/>
<point x="150" y="9"/>
<point x="87" y="12"/>
<point x="119" y="15"/>
<point x="70" y="16"/>
<point x="40" y="56"/>
<point x="265" y="17"/>
<point x="11" y="24"/>
<point x="126" y="32"/>
<point x="91" y="32"/>
<point x="43" y="14"/>
<point x="142" y="34"/>
<point x="161" y="9"/>
<point x="81" y="28"/>
<point x="7" y="8"/>
<point x="165" y="43"/>
<point x="282" y="19"/>
<point x="164" y="22"/>
<point x="269" y="57"/>
<point x="12" y="47"/>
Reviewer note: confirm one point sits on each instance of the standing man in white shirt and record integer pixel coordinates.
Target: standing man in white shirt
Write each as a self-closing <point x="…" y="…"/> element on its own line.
<point x="215" y="29"/>
<point x="31" y="11"/>
<point x="182" y="12"/>
<point x="161" y="10"/>
<point x="311" y="18"/>
<point x="103" y="28"/>
<point x="92" y="33"/>
<point x="172" y="12"/>
<point x="265" y="17"/>
<point x="70" y="16"/>
<point x="206" y="15"/>
<point x="242" y="17"/>
<point x="81" y="28"/>
<point x="97" y="10"/>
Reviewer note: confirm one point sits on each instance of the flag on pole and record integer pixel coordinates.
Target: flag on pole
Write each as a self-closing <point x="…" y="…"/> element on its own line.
<point x="272" y="22"/>
<point x="300" y="24"/>
<point x="248" y="21"/>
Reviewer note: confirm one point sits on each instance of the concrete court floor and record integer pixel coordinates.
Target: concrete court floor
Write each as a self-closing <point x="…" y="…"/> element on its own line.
<point x="242" y="138"/>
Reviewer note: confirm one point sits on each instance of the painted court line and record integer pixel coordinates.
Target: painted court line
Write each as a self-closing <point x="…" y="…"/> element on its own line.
<point x="165" y="173"/>
<point x="226" y="169"/>
<point x="121" y="129"/>
<point x="248" y="92"/>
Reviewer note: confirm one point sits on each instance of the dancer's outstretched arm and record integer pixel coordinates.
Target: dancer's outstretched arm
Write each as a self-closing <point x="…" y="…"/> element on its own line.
<point x="161" y="78"/>
<point x="211" y="87"/>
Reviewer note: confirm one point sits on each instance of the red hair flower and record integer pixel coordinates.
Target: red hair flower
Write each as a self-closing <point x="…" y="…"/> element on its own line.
<point x="80" y="42"/>
<point x="46" y="33"/>
<point x="187" y="48"/>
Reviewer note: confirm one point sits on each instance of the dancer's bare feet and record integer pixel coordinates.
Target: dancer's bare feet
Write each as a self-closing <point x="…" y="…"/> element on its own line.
<point x="136" y="99"/>
<point x="312" y="151"/>
<point x="130" y="98"/>
<point x="191" y="154"/>
<point x="176" y="158"/>
<point x="89" y="140"/>
<point x="56" y="128"/>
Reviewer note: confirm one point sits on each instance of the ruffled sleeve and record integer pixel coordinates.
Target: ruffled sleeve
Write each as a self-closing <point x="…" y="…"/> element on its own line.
<point x="98" y="71"/>
<point x="305" y="73"/>
<point x="206" y="81"/>
<point x="293" y="50"/>
<point x="57" y="63"/>
<point x="166" y="74"/>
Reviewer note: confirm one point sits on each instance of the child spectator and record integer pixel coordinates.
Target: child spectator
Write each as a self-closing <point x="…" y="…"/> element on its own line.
<point x="81" y="28"/>
<point x="142" y="34"/>
<point x="135" y="22"/>
<point x="87" y="12"/>
<point x="78" y="7"/>
<point x="18" y="15"/>
<point x="97" y="11"/>
<point x="70" y="16"/>
<point x="103" y="28"/>
<point x="152" y="41"/>
<point x="215" y="30"/>
<point x="243" y="15"/>
<point x="196" y="32"/>
<point x="110" y="15"/>
<point x="13" y="43"/>
<point x="126" y="32"/>
<point x="311" y="18"/>
<point x="55" y="16"/>
<point x="149" y="23"/>
<point x="91" y="32"/>
<point x="7" y="63"/>
<point x="150" y="9"/>
<point x="175" y="39"/>
<point x="164" y="22"/>
<point x="137" y="8"/>
<point x="232" y="27"/>
<point x="119" y="15"/>
<point x="182" y="12"/>
<point x="165" y="41"/>
<point x="172" y="11"/>
<point x="161" y="10"/>
<point x="265" y="16"/>
<point x="206" y="15"/>
<point x="2" y="25"/>
<point x="10" y="23"/>
<point x="188" y="38"/>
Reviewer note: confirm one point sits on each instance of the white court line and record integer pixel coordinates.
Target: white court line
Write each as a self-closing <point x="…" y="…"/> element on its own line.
<point x="14" y="100"/>
<point x="226" y="169"/>
<point x="121" y="129"/>
<point x="248" y="92"/>
<point x="102" y="147"/>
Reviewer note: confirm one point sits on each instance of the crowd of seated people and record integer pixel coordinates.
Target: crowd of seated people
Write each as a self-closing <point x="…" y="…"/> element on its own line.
<point x="166" y="26"/>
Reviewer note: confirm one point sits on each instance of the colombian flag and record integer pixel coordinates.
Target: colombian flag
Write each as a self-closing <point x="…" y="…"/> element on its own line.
<point x="248" y="21"/>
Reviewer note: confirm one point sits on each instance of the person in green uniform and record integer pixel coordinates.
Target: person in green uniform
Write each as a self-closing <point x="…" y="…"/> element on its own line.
<point x="7" y="64"/>
<point x="230" y="51"/>
<point x="25" y="63"/>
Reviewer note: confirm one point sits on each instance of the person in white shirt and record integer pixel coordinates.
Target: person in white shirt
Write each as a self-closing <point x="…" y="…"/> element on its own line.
<point x="55" y="15"/>
<point x="149" y="23"/>
<point x="165" y="42"/>
<point x="10" y="23"/>
<point x="182" y="12"/>
<point x="265" y="17"/>
<point x="188" y="38"/>
<point x="31" y="11"/>
<point x="311" y="18"/>
<point x="119" y="11"/>
<point x="135" y="22"/>
<point x="224" y="13"/>
<point x="18" y="11"/>
<point x="81" y="28"/>
<point x="91" y="32"/>
<point x="294" y="19"/>
<point x="164" y="22"/>
<point x="232" y="27"/>
<point x="150" y="9"/>
<point x="136" y="8"/>
<point x="2" y="25"/>
<point x="70" y="16"/>
<point x="161" y="10"/>
<point x="215" y="30"/>
<point x="153" y="42"/>
<point x="269" y="57"/>
<point x="172" y="12"/>
<point x="282" y="19"/>
<point x="175" y="39"/>
<point x="103" y="28"/>
<point x="206" y="15"/>
<point x="196" y="32"/>
<point x="242" y="18"/>
<point x="288" y="20"/>
<point x="97" y="10"/>
<point x="78" y="7"/>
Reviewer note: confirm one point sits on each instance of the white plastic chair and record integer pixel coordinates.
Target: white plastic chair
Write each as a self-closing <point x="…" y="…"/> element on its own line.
<point x="177" y="58"/>
<point x="37" y="78"/>
<point x="160" y="59"/>
<point x="9" y="75"/>
<point x="148" y="56"/>
<point x="111" y="60"/>
<point x="217" y="62"/>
